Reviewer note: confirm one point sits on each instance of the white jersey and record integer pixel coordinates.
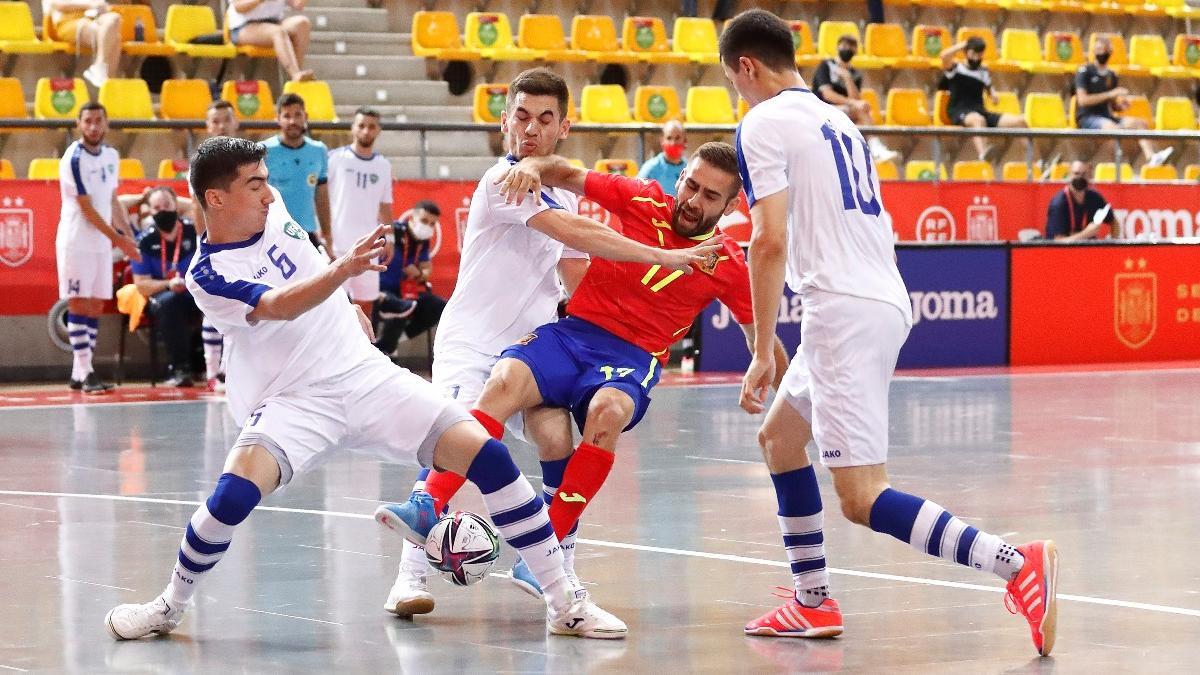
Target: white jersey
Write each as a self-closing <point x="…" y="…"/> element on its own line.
<point x="507" y="277"/>
<point x="267" y="9"/>
<point x="82" y="172"/>
<point x="839" y="237"/>
<point x="270" y="357"/>
<point x="357" y="186"/>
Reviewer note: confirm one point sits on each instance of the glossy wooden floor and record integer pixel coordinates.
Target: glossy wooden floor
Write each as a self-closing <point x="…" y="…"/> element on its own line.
<point x="682" y="543"/>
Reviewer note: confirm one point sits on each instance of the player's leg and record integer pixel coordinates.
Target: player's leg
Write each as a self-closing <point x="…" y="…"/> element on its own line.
<point x="975" y="120"/>
<point x="214" y="346"/>
<point x="1153" y="157"/>
<point x="299" y="29"/>
<point x="273" y="36"/>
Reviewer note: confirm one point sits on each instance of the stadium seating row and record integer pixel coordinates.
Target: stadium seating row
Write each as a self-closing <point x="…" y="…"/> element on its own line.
<point x="1176" y="9"/>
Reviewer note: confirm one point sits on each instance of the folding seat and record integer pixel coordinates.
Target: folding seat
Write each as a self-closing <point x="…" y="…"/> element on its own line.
<point x="1063" y="48"/>
<point x="172" y="169"/>
<point x="126" y="98"/>
<point x="1118" y="61"/>
<point x="1020" y="48"/>
<point x="802" y="39"/>
<point x="907" y="108"/>
<point x="1174" y="113"/>
<point x="928" y="42"/>
<point x="1106" y="172"/>
<point x="1045" y="111"/>
<point x="185" y="23"/>
<point x="1192" y="172"/>
<point x="697" y="38"/>
<point x="150" y="44"/>
<point x="647" y="37"/>
<point x="887" y="170"/>
<point x="923" y="170"/>
<point x="435" y="35"/>
<point x="655" y="105"/>
<point x="43" y="168"/>
<point x="941" y="103"/>
<point x="318" y="99"/>
<point x="6" y="170"/>
<point x="1006" y="102"/>
<point x="885" y="43"/>
<point x="1158" y="173"/>
<point x="17" y="34"/>
<point x="596" y="37"/>
<point x="57" y="98"/>
<point x="12" y="100"/>
<point x="130" y="168"/>
<point x="973" y="170"/>
<point x="709" y="105"/>
<point x="489" y="102"/>
<point x="604" y="104"/>
<point x="184" y="99"/>
<point x="1150" y="51"/>
<point x="544" y="33"/>
<point x="1015" y="172"/>
<point x="251" y="99"/>
<point x="490" y="34"/>
<point x="1186" y="53"/>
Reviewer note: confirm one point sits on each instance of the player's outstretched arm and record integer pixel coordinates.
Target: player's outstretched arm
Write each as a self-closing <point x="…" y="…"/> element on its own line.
<point x="524" y="180"/>
<point x="288" y="302"/>
<point x="768" y="254"/>
<point x="599" y="240"/>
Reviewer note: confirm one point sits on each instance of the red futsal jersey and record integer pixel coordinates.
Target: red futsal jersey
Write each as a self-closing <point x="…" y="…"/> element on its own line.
<point x="647" y="305"/>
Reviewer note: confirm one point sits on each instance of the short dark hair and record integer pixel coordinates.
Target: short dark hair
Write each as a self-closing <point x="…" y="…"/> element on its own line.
<point x="219" y="104"/>
<point x="287" y="99"/>
<point x="540" y="82"/>
<point x="761" y="35"/>
<point x="427" y="206"/>
<point x="849" y="38"/>
<point x="976" y="44"/>
<point x="366" y="111"/>
<point x="722" y="156"/>
<point x="92" y="105"/>
<point x="217" y="160"/>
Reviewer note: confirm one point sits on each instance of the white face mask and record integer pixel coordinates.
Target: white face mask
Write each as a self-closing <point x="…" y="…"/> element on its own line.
<point x="420" y="230"/>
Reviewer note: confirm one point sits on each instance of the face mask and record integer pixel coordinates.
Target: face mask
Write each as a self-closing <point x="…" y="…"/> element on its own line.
<point x="974" y="64"/>
<point x="1079" y="184"/>
<point x="1102" y="58"/>
<point x="845" y="55"/>
<point x="420" y="230"/>
<point x="673" y="151"/>
<point x="165" y="220"/>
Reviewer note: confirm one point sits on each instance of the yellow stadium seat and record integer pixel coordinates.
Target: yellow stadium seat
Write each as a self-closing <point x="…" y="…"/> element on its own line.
<point x="1156" y="173"/>
<point x="318" y="99"/>
<point x="1139" y="107"/>
<point x="647" y="37"/>
<point x="16" y="31"/>
<point x="923" y="170"/>
<point x="928" y="42"/>
<point x="544" y="33"/>
<point x="949" y="4"/>
<point x="1140" y="8"/>
<point x="802" y="40"/>
<point x="1186" y="53"/>
<point x="1019" y="48"/>
<point x="829" y="32"/>
<point x="1059" y="171"/>
<point x="130" y="168"/>
<point x="1150" y="51"/>
<point x="184" y="99"/>
<point x="150" y="45"/>
<point x="126" y="98"/>
<point x="1178" y="9"/>
<point x="941" y="104"/>
<point x="991" y="56"/>
<point x="907" y="108"/>
<point x="973" y="170"/>
<point x="1063" y="48"/>
<point x="605" y="104"/>
<point x="885" y="43"/>
<point x="1023" y="5"/>
<point x="59" y="98"/>
<point x="1014" y="172"/>
<point x="887" y="170"/>
<point x="1172" y="113"/>
<point x="1045" y="111"/>
<point x="491" y="35"/>
<point x="435" y="35"/>
<point x="1119" y="60"/>
<point x="709" y="105"/>
<point x="695" y="37"/>
<point x="625" y="167"/>
<point x="490" y="101"/>
<point x="984" y="5"/>
<point x="185" y="22"/>
<point x="43" y="168"/>
<point x="1106" y="172"/>
<point x="872" y="98"/>
<point x="655" y="105"/>
<point x="12" y="99"/>
<point x="596" y="37"/>
<point x="6" y="170"/>
<point x="172" y="169"/>
<point x="1192" y="172"/>
<point x="1006" y="103"/>
<point x="572" y="110"/>
<point x="251" y="99"/>
<point x="743" y="107"/>
<point x="1104" y="7"/>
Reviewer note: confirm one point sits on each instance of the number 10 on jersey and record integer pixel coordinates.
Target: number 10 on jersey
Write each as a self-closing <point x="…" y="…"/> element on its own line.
<point x="843" y="147"/>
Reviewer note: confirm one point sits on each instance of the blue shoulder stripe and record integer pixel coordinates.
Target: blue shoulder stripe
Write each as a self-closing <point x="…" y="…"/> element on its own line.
<point x="742" y="168"/>
<point x="75" y="170"/>
<point x="214" y="284"/>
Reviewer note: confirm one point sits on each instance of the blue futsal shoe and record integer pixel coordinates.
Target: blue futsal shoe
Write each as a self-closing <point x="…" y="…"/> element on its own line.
<point x="522" y="578"/>
<point x="412" y="519"/>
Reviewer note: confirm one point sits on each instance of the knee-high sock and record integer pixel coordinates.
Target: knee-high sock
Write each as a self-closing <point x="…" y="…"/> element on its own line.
<point x="213" y="346"/>
<point x="209" y="533"/>
<point x="443" y="485"/>
<point x="520" y="515"/>
<point x="552" y="476"/>
<point x="929" y="528"/>
<point x="78" y="332"/>
<point x="93" y="325"/>
<point x="802" y="523"/>
<point x="586" y="472"/>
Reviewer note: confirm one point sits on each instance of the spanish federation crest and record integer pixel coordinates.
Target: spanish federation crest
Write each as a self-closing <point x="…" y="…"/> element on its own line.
<point x="16" y="235"/>
<point x="1135" y="302"/>
<point x="709" y="266"/>
<point x="294" y="231"/>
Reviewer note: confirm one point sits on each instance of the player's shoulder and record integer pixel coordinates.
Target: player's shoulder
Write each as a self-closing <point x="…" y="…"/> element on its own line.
<point x="270" y="142"/>
<point x="489" y="178"/>
<point x="317" y="146"/>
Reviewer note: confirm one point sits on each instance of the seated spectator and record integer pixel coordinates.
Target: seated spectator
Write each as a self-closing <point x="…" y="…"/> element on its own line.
<point x="151" y="201"/>
<point x="1072" y="212"/>
<point x="167" y="251"/>
<point x="967" y="83"/>
<point x="408" y="306"/>
<point x="840" y="85"/>
<point x="261" y="23"/>
<point x="1098" y="100"/>
<point x="666" y="166"/>
<point x="89" y="25"/>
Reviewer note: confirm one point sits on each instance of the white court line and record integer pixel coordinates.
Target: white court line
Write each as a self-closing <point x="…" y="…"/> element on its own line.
<point x="98" y="404"/>
<point x="31" y="508"/>
<point x="89" y="583"/>
<point x="19" y="670"/>
<point x="289" y="616"/>
<point x="163" y="525"/>
<point x="722" y="459"/>
<point x="1165" y="609"/>
<point x="342" y="550"/>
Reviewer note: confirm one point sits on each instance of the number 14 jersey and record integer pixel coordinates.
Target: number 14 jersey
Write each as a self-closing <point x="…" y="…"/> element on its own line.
<point x="840" y="237"/>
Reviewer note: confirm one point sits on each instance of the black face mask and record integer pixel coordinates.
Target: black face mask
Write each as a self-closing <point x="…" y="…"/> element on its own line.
<point x="1102" y="59"/>
<point x="846" y="54"/>
<point x="974" y="64"/>
<point x="165" y="221"/>
<point x="1079" y="184"/>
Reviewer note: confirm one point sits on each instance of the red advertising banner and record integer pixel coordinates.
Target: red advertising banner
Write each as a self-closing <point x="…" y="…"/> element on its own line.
<point x="1105" y="304"/>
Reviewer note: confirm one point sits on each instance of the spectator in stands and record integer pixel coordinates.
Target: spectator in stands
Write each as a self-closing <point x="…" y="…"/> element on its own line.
<point x="407" y="280"/>
<point x="89" y="25"/>
<point x="666" y="166"/>
<point x="261" y="23"/>
<point x="219" y="119"/>
<point x="1072" y="212"/>
<point x="840" y="85"/>
<point x="967" y="83"/>
<point x="1098" y="100"/>
<point x="151" y="201"/>
<point x="167" y="251"/>
<point x="298" y="168"/>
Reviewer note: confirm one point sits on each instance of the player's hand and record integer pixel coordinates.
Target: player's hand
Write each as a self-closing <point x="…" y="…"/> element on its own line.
<point x="518" y="181"/>
<point x="682" y="259"/>
<point x="363" y="256"/>
<point x="757" y="383"/>
<point x="364" y="322"/>
<point x="1117" y="92"/>
<point x="389" y="248"/>
<point x="129" y="248"/>
<point x="177" y="284"/>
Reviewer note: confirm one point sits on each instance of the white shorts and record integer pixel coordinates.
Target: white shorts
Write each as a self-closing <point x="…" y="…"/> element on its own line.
<point x="364" y="287"/>
<point x="840" y="376"/>
<point x="377" y="408"/>
<point x="460" y="372"/>
<point x="84" y="274"/>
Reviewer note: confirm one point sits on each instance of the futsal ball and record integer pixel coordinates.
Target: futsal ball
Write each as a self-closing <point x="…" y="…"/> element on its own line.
<point x="463" y="547"/>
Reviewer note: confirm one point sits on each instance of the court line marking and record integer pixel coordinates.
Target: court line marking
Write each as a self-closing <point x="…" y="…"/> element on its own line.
<point x="19" y="670"/>
<point x="726" y="557"/>
<point x="105" y="404"/>
<point x="89" y="583"/>
<point x="722" y="459"/>
<point x="289" y="616"/>
<point x="31" y="508"/>
<point x="343" y="550"/>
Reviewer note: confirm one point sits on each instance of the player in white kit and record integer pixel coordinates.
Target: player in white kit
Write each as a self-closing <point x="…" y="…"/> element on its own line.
<point x="91" y="223"/>
<point x="819" y="220"/>
<point x="507" y="286"/>
<point x="360" y="198"/>
<point x="306" y="379"/>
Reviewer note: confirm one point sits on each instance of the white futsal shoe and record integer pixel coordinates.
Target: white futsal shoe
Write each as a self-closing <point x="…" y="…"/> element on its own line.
<point x="584" y="618"/>
<point x="410" y="594"/>
<point x="130" y="622"/>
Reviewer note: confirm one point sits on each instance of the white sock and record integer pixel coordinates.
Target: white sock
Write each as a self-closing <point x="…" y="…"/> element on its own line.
<point x="413" y="556"/>
<point x="81" y="347"/>
<point x="204" y="532"/>
<point x="213" y="347"/>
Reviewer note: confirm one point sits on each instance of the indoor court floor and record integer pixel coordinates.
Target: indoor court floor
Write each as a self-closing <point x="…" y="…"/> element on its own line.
<point x="682" y="542"/>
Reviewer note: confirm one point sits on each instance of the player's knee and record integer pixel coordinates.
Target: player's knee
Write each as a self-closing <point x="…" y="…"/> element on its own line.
<point x="1134" y="123"/>
<point x="299" y="23"/>
<point x="610" y="409"/>
<point x="857" y="500"/>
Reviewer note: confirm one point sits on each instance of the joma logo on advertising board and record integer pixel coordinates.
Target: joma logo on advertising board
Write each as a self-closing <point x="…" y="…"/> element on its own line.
<point x="953" y="305"/>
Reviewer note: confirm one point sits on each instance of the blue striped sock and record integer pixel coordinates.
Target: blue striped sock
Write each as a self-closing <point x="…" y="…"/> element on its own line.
<point x="209" y="534"/>
<point x="552" y="476"/>
<point x="78" y="333"/>
<point x="931" y="529"/>
<point x="213" y="345"/>
<point x="802" y="522"/>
